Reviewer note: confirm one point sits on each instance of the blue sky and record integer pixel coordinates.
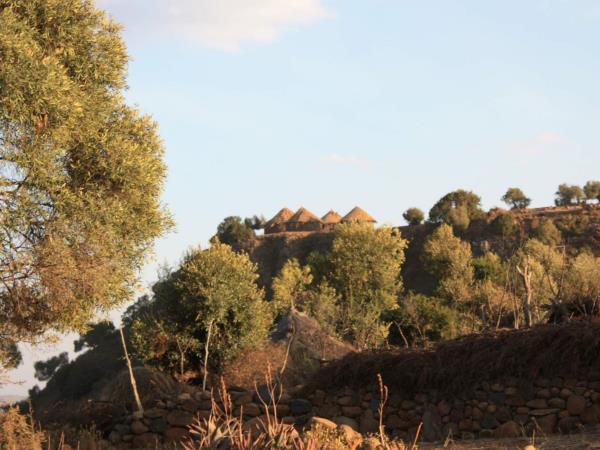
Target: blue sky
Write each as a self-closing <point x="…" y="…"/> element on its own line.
<point x="383" y="104"/>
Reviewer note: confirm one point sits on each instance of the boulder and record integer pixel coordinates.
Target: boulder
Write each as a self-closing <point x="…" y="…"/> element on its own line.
<point x="575" y="404"/>
<point x="508" y="429"/>
<point x="321" y="422"/>
<point x="432" y="425"/>
<point x="300" y="406"/>
<point x="179" y="418"/>
<point x="176" y="434"/>
<point x="146" y="440"/>
<point x="138" y="427"/>
<point x="368" y="424"/>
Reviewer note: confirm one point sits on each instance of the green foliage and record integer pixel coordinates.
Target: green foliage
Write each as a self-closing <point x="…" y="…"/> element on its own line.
<point x="567" y="194"/>
<point x="548" y="233"/>
<point x="488" y="267"/>
<point x="366" y="265"/>
<point x="291" y="286"/>
<point x="215" y="286"/>
<point x="515" y="198"/>
<point x="81" y="172"/>
<point x="10" y="356"/>
<point x="44" y="370"/>
<point x="97" y="334"/>
<point x="448" y="258"/>
<point x="414" y="216"/>
<point x="255" y="222"/>
<point x="457" y="208"/>
<point x="592" y="190"/>
<point x="421" y="319"/>
<point x="294" y="287"/>
<point x="237" y="233"/>
<point x="504" y="224"/>
<point x="320" y="265"/>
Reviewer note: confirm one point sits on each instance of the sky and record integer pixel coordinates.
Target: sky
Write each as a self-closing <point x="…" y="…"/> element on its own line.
<point x="386" y="104"/>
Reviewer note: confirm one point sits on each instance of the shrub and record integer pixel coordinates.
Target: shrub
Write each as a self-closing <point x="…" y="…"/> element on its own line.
<point x="421" y="319"/>
<point x="504" y="224"/>
<point x="548" y="233"/>
<point x="414" y="216"/>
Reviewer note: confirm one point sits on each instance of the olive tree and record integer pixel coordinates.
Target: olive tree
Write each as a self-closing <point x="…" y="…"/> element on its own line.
<point x="515" y="198"/>
<point x="44" y="370"/>
<point x="211" y="302"/>
<point x="414" y="216"/>
<point x="81" y="172"/>
<point x="237" y="233"/>
<point x="366" y="264"/>
<point x="296" y="287"/>
<point x="592" y="190"/>
<point x="457" y="208"/>
<point x="567" y="194"/>
<point x="449" y="259"/>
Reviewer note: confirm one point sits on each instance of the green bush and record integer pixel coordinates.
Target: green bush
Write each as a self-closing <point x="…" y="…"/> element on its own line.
<point x="504" y="224"/>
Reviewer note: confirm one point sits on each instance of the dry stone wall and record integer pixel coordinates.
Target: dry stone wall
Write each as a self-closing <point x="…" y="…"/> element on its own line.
<point x="511" y="407"/>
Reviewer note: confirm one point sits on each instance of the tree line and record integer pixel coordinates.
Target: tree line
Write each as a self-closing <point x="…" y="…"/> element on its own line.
<point x="460" y="207"/>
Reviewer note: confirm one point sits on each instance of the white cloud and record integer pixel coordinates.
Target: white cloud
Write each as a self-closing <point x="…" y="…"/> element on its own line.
<point x="220" y="24"/>
<point x="336" y="159"/>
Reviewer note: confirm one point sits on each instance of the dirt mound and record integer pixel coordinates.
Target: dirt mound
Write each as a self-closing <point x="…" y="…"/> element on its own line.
<point x="151" y="385"/>
<point x="452" y="367"/>
<point x="299" y="348"/>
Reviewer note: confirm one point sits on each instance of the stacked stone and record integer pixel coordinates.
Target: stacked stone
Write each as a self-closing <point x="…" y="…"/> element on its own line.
<point x="511" y="407"/>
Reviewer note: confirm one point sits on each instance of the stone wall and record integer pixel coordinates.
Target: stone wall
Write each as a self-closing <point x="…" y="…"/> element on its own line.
<point x="510" y="407"/>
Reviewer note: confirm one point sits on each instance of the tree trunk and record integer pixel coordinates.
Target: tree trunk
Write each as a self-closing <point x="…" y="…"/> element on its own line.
<point x="526" y="276"/>
<point x="206" y="355"/>
<point x="131" y="377"/>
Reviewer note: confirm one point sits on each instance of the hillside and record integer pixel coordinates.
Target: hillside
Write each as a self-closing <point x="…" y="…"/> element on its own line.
<point x="578" y="224"/>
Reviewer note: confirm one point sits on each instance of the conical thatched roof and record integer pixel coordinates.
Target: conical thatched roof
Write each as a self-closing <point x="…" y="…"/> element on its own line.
<point x="331" y="217"/>
<point x="282" y="216"/>
<point x="303" y="215"/>
<point x="358" y="215"/>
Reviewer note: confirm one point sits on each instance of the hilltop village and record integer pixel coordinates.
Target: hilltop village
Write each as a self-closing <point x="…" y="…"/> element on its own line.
<point x="286" y="221"/>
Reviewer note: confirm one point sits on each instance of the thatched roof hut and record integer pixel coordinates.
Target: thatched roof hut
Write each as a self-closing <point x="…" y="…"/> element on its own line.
<point x="276" y="224"/>
<point x="303" y="220"/>
<point x="358" y="215"/>
<point x="331" y="217"/>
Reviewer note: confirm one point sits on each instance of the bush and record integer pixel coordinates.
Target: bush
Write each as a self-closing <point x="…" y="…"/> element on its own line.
<point x="414" y="216"/>
<point x="421" y="319"/>
<point x="504" y="224"/>
<point x="548" y="233"/>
